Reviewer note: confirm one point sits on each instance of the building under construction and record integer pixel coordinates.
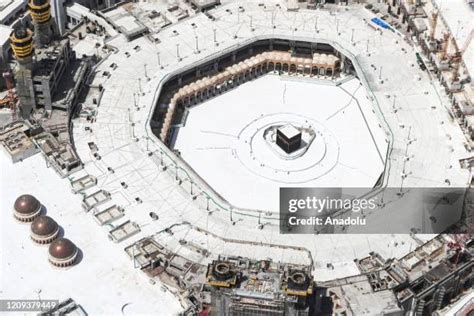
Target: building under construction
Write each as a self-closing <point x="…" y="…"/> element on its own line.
<point x="229" y="285"/>
<point x="259" y="287"/>
<point x="42" y="59"/>
<point x="47" y="77"/>
<point x="428" y="279"/>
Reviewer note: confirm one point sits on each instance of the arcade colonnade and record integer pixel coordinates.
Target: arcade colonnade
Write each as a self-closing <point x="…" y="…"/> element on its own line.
<point x="207" y="87"/>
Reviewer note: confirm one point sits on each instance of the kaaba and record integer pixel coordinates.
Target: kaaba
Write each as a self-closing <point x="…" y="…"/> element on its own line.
<point x="288" y="138"/>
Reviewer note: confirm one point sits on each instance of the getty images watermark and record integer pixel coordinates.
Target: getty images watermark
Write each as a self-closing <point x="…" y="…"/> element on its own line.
<point x="365" y="210"/>
<point x="326" y="210"/>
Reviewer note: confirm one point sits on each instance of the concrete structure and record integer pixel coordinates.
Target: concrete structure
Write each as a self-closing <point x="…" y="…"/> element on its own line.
<point x="465" y="305"/>
<point x="76" y="13"/>
<point x="16" y="141"/>
<point x="22" y="45"/>
<point x="60" y="155"/>
<point x="50" y="65"/>
<point x="5" y="49"/>
<point x="40" y="12"/>
<point x="254" y="287"/>
<point x="58" y="12"/>
<point x="203" y="5"/>
<point x="10" y="10"/>
<point x="45" y="77"/>
<point x="39" y="81"/>
<point x="97" y="4"/>
<point x="440" y="275"/>
<point x="68" y="306"/>
<point x="355" y="296"/>
<point x="122" y="19"/>
<point x="423" y="282"/>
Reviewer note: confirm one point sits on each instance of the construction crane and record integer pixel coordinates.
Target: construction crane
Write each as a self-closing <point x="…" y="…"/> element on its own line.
<point x="468" y="41"/>
<point x="444" y="51"/>
<point x="457" y="58"/>
<point x="458" y="245"/>
<point x="434" y="23"/>
<point x="11" y="99"/>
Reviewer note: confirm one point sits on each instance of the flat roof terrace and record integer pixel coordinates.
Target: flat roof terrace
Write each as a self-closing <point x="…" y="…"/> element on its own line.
<point x="122" y="18"/>
<point x="103" y="269"/>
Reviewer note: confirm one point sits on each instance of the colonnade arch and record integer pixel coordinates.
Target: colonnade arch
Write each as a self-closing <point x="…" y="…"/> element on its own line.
<point x="248" y="69"/>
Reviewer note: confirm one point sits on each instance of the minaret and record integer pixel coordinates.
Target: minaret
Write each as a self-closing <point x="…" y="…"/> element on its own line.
<point x="40" y="11"/>
<point x="21" y="41"/>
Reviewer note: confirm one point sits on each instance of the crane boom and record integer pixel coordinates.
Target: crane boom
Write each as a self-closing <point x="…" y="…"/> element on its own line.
<point x="434" y="23"/>
<point x="444" y="52"/>
<point x="467" y="42"/>
<point x="11" y="94"/>
<point x="458" y="57"/>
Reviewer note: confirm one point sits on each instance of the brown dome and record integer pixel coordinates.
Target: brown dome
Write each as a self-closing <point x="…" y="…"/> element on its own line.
<point x="62" y="248"/>
<point x="44" y="226"/>
<point x="27" y="204"/>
